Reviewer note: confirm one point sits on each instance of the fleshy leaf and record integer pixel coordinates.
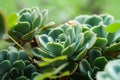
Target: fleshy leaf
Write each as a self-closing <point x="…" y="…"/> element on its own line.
<point x="19" y="64"/>
<point x="55" y="48"/>
<point x="100" y="31"/>
<point x="22" y="27"/>
<point x="5" y="66"/>
<point x="55" y="33"/>
<point x="84" y="67"/>
<point x="100" y="62"/>
<point x="100" y="42"/>
<point x="92" y="55"/>
<point x="13" y="56"/>
<point x="68" y="50"/>
<point x="90" y="39"/>
<point x="93" y="20"/>
<point x="36" y="22"/>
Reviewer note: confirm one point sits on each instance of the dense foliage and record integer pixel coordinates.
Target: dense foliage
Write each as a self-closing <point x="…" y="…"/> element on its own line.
<point x="79" y="49"/>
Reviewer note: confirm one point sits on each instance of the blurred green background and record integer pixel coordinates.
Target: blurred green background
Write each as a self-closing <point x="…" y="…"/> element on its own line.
<point x="64" y="10"/>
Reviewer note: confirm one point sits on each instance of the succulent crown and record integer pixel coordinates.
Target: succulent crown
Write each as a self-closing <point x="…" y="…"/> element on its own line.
<point x="66" y="40"/>
<point x="14" y="65"/>
<point x="29" y="21"/>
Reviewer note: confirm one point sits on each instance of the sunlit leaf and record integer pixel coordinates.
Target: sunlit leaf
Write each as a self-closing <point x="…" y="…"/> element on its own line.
<point x="49" y="61"/>
<point x="113" y="27"/>
<point x="12" y="20"/>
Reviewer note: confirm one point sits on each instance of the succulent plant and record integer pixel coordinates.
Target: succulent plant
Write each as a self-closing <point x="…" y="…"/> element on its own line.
<point x="14" y="65"/>
<point x="95" y="20"/>
<point x="67" y="39"/>
<point x="107" y="41"/>
<point x="29" y="23"/>
<point x="78" y="49"/>
<point x="111" y="71"/>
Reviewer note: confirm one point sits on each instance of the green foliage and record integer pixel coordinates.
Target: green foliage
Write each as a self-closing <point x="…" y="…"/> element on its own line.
<point x="30" y="20"/>
<point x="77" y="49"/>
<point x="15" y="65"/>
<point x="102" y="26"/>
<point x="61" y="41"/>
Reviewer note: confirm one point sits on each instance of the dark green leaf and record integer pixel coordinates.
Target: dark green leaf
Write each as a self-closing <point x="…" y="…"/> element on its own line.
<point x="92" y="55"/>
<point x="22" y="27"/>
<point x="30" y="35"/>
<point x="25" y="17"/>
<point x="29" y="69"/>
<point x="100" y="62"/>
<point x="5" y="66"/>
<point x="84" y="67"/>
<point x="36" y="22"/>
<point x="3" y="55"/>
<point x="19" y="65"/>
<point x="13" y="56"/>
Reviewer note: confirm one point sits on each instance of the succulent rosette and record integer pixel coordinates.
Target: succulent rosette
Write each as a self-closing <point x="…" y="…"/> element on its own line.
<point x="107" y="41"/>
<point x="15" y="65"/>
<point x="29" y="20"/>
<point x="65" y="40"/>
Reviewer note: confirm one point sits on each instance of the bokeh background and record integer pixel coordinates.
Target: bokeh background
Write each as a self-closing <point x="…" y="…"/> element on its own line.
<point x="64" y="10"/>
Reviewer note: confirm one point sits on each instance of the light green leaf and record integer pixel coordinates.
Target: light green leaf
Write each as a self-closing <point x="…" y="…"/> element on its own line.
<point x="113" y="27"/>
<point x="48" y="61"/>
<point x="100" y="42"/>
<point x="12" y="20"/>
